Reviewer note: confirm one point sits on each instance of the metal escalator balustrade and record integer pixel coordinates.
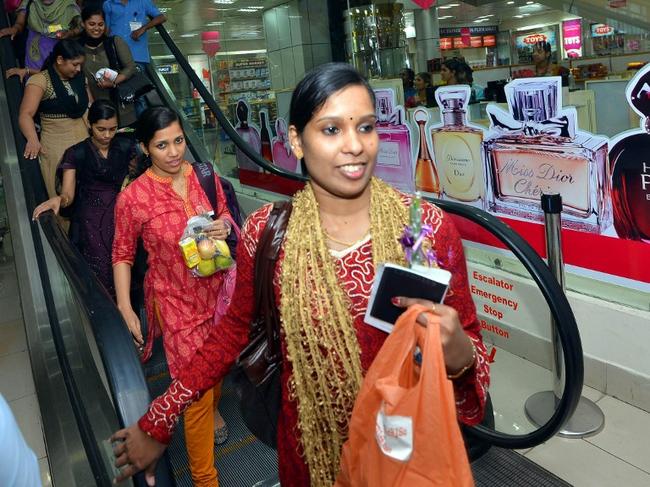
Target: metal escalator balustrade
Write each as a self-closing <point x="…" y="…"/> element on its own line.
<point x="551" y="291"/>
<point x="77" y="315"/>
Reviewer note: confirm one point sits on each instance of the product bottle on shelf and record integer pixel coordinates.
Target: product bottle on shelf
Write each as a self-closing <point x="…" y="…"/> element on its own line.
<point x="265" y="136"/>
<point x="282" y="154"/>
<point x="538" y="150"/>
<point x="630" y="163"/>
<point x="457" y="148"/>
<point x="426" y="175"/>
<point x="251" y="136"/>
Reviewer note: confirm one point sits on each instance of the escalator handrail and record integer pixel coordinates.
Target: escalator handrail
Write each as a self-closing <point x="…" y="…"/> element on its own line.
<point x="556" y="299"/>
<point x="126" y="380"/>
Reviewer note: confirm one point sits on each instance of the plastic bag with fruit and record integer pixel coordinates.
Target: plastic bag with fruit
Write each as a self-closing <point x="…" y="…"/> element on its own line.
<point x="204" y="255"/>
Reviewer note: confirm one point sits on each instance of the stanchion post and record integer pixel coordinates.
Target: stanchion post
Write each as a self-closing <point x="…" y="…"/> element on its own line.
<point x="587" y="419"/>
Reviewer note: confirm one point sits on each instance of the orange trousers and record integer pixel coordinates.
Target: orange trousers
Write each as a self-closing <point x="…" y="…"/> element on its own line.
<point x="199" y="438"/>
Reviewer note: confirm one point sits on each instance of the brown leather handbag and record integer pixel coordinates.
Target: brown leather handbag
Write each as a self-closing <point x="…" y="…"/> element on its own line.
<point x="258" y="367"/>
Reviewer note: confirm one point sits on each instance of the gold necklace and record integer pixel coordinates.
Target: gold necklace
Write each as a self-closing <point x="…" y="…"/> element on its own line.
<point x="341" y="242"/>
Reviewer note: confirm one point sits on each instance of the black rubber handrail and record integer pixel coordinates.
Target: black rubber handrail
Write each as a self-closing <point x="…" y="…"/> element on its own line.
<point x="126" y="380"/>
<point x="559" y="305"/>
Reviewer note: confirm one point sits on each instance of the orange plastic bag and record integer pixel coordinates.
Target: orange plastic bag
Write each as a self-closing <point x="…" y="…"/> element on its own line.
<point x="403" y="430"/>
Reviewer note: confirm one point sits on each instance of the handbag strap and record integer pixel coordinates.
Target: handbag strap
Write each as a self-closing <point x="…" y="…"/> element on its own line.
<point x="111" y="53"/>
<point x="267" y="313"/>
<point x="205" y="174"/>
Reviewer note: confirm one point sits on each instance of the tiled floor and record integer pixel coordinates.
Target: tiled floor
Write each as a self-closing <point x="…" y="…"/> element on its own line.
<point x="618" y="455"/>
<point x="16" y="381"/>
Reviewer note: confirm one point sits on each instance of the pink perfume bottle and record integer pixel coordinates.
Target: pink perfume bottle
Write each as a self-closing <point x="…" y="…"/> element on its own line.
<point x="537" y="149"/>
<point x="630" y="163"/>
<point x="282" y="154"/>
<point x="251" y="136"/>
<point x="394" y="160"/>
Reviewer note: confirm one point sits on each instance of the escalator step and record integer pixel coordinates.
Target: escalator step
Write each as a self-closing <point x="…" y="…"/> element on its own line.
<point x="506" y="468"/>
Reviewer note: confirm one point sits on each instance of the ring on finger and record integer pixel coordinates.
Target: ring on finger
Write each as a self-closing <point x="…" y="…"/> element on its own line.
<point x="433" y="308"/>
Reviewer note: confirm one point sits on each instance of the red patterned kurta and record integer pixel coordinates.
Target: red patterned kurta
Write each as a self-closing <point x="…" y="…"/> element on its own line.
<point x="181" y="304"/>
<point x="356" y="272"/>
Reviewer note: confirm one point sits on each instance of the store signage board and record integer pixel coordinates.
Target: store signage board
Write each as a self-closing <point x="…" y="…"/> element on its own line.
<point x="572" y="38"/>
<point x="601" y="30"/>
<point x="473" y="30"/>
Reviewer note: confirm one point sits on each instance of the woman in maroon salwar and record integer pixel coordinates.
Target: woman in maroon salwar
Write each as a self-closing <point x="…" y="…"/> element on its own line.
<point x="342" y="225"/>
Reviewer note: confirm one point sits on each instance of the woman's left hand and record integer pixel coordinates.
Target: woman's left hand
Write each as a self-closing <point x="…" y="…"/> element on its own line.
<point x="105" y="84"/>
<point x="219" y="229"/>
<point x="456" y="345"/>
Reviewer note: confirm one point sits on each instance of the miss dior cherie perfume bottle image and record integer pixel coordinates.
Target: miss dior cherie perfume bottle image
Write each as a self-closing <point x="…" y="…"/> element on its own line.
<point x="536" y="149"/>
<point x="629" y="158"/>
<point x="282" y="154"/>
<point x="457" y="148"/>
<point x="394" y="159"/>
<point x="250" y="134"/>
<point x="426" y="174"/>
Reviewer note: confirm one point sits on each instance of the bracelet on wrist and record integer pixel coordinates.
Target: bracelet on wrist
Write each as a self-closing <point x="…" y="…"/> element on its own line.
<point x="469" y="365"/>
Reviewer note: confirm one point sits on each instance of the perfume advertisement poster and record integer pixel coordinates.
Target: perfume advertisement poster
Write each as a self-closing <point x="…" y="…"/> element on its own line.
<point x="275" y="149"/>
<point x="536" y="147"/>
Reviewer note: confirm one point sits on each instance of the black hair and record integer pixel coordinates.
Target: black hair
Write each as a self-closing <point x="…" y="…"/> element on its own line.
<point x="462" y="72"/>
<point x="426" y="77"/>
<point x="91" y="9"/>
<point x="152" y="120"/>
<point x="66" y="48"/>
<point x="318" y="85"/>
<point x="410" y="76"/>
<point x="544" y="46"/>
<point x="101" y="110"/>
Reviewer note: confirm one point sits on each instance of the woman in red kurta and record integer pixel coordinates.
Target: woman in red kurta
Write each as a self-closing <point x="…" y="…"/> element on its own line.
<point x="156" y="207"/>
<point x="345" y="212"/>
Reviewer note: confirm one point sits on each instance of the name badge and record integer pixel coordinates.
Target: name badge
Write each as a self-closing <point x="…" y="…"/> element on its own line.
<point x="54" y="28"/>
<point x="135" y="25"/>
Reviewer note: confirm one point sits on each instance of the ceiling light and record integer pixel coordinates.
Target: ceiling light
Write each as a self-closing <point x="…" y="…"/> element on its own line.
<point x="446" y="17"/>
<point x="519" y="16"/>
<point x="224" y="2"/>
<point x="256" y="8"/>
<point x="529" y="2"/>
<point x="445" y="7"/>
<point x="510" y="3"/>
<point x="188" y="35"/>
<point x="246" y="10"/>
<point x="486" y="16"/>
<point x="212" y="24"/>
<point x="478" y="21"/>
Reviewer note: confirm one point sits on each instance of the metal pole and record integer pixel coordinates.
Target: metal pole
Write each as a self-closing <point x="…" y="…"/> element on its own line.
<point x="587" y="419"/>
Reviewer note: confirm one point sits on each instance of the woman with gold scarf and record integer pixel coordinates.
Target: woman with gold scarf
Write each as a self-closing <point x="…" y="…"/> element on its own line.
<point x="344" y="222"/>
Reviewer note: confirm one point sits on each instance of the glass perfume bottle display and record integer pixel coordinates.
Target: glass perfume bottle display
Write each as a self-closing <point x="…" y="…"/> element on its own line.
<point x="282" y="154"/>
<point x="265" y="137"/>
<point x="536" y="149"/>
<point x="426" y="174"/>
<point x="251" y="136"/>
<point x="394" y="160"/>
<point x="630" y="163"/>
<point x="457" y="148"/>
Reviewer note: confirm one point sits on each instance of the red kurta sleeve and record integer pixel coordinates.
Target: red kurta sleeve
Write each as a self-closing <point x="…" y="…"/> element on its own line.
<point x="127" y="228"/>
<point x="226" y="340"/>
<point x="470" y="389"/>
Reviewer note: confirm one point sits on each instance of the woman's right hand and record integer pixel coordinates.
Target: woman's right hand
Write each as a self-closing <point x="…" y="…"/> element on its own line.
<point x="9" y="31"/>
<point x="20" y="72"/>
<point x="32" y="149"/>
<point x="53" y="204"/>
<point x="135" y="450"/>
<point x="133" y="323"/>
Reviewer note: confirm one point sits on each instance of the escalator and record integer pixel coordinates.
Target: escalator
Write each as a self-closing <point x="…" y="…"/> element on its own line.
<point x="87" y="373"/>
